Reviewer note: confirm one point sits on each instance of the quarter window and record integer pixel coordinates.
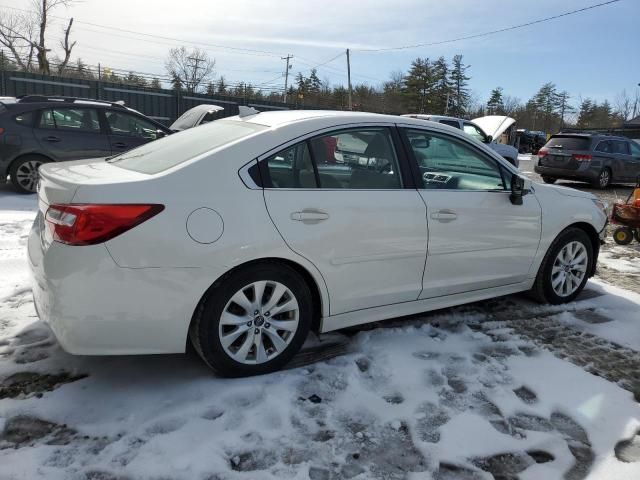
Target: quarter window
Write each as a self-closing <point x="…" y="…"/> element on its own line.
<point x="71" y="119"/>
<point x="604" y="147"/>
<point x="635" y="149"/>
<point x="122" y="123"/>
<point x="620" y="147"/>
<point x="25" y="119"/>
<point x="448" y="163"/>
<point x="292" y="168"/>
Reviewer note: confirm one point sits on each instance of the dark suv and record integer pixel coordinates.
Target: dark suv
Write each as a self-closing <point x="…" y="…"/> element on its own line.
<point x="596" y="158"/>
<point x="36" y="129"/>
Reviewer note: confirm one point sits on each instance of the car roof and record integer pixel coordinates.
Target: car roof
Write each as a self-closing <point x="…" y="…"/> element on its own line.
<point x="278" y="118"/>
<point x="601" y="136"/>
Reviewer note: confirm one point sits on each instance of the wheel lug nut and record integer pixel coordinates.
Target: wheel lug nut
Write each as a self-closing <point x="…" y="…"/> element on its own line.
<point x="249" y="323"/>
<point x="256" y="331"/>
<point x="266" y="314"/>
<point x="267" y="325"/>
<point x="256" y="312"/>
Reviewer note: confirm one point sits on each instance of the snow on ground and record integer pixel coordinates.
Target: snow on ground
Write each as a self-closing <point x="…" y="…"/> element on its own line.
<point x="456" y="394"/>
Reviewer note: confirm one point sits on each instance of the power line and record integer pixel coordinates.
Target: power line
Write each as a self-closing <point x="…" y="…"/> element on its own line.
<point x="492" y="32"/>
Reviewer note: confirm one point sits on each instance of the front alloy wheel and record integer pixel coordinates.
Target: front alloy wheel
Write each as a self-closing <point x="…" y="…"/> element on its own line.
<point x="569" y="269"/>
<point x="253" y="321"/>
<point x="565" y="268"/>
<point x="604" y="179"/>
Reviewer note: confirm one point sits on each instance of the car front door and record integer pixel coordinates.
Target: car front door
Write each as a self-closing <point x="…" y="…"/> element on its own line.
<point x="350" y="215"/>
<point x="71" y="133"/>
<point x="624" y="160"/>
<point x="127" y="131"/>
<point x="478" y="239"/>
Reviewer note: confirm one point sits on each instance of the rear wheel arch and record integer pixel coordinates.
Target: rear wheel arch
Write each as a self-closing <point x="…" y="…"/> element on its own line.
<point x="23" y="156"/>
<point x="312" y="284"/>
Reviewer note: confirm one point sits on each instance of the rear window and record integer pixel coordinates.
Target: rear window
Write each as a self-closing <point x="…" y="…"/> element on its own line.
<point x="175" y="149"/>
<point x="569" y="143"/>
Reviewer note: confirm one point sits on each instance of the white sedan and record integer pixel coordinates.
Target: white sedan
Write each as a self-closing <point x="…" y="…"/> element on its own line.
<point x="245" y="234"/>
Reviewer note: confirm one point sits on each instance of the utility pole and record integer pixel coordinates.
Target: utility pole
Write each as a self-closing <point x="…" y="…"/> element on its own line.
<point x="349" y="78"/>
<point x="286" y="76"/>
<point x="563" y="97"/>
<point x="195" y="74"/>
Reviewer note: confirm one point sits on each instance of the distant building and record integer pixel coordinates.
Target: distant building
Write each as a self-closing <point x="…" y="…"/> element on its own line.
<point x="633" y="123"/>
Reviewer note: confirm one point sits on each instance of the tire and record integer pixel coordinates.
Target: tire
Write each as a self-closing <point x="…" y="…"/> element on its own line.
<point x="552" y="269"/>
<point x="24" y="173"/>
<point x="240" y="357"/>
<point x="548" y="180"/>
<point x="603" y="180"/>
<point x="636" y="234"/>
<point x="624" y="235"/>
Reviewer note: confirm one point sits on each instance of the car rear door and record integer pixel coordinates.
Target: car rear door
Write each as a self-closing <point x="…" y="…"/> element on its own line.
<point x="478" y="239"/>
<point x="71" y="133"/>
<point x="624" y="160"/>
<point x="350" y="215"/>
<point x="634" y="162"/>
<point x="127" y="130"/>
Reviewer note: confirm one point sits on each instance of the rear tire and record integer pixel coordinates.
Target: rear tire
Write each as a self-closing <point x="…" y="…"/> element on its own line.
<point x="624" y="235"/>
<point x="603" y="180"/>
<point x="233" y="339"/>
<point x="567" y="263"/>
<point x="548" y="180"/>
<point x="636" y="234"/>
<point x="24" y="173"/>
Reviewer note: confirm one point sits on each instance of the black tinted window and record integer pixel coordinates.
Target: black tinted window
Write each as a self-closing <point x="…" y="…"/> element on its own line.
<point x="73" y="119"/>
<point x="566" y="142"/>
<point x="604" y="147"/>
<point x="291" y="168"/>
<point x="620" y="147"/>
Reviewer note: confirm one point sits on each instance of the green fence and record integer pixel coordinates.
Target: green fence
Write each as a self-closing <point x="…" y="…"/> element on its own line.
<point x="157" y="103"/>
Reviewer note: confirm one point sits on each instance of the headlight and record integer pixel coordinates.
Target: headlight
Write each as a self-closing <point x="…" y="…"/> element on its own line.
<point x="602" y="206"/>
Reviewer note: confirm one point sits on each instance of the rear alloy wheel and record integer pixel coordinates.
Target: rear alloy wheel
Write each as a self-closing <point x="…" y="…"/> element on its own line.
<point x="565" y="268"/>
<point x="549" y="180"/>
<point x="604" y="179"/>
<point x="623" y="235"/>
<point x="24" y="174"/>
<point x="254" y="322"/>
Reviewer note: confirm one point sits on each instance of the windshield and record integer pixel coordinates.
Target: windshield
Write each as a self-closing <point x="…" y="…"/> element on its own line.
<point x="170" y="151"/>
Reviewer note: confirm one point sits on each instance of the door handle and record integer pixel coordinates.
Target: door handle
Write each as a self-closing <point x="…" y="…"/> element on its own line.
<point x="444" y="215"/>
<point x="52" y="139"/>
<point x="309" y="216"/>
<point x="119" y="145"/>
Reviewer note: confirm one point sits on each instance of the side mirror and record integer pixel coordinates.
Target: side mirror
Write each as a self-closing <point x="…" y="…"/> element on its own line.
<point x="160" y="133"/>
<point x="519" y="188"/>
<point x="489" y="139"/>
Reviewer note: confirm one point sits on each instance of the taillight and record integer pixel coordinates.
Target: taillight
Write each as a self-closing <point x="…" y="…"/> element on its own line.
<point x="88" y="224"/>
<point x="581" y="157"/>
<point x="542" y="153"/>
<point x="1" y="130"/>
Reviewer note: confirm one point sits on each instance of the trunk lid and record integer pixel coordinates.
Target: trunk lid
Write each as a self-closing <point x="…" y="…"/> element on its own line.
<point x="560" y="151"/>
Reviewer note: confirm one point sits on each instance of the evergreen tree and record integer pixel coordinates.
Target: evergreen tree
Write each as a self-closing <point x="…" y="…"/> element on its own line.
<point x="155" y="83"/>
<point x="495" y="105"/>
<point x="460" y="84"/>
<point x="222" y="86"/>
<point x="418" y="85"/>
<point x="442" y="91"/>
<point x="211" y="89"/>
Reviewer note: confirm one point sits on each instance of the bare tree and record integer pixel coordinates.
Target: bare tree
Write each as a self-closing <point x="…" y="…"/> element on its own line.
<point x="25" y="35"/>
<point x="624" y="105"/>
<point x="190" y="68"/>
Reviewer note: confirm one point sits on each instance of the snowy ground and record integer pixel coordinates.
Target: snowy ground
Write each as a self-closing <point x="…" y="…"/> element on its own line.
<point x="503" y="389"/>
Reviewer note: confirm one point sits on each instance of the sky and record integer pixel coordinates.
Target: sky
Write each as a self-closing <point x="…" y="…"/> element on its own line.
<point x="589" y="54"/>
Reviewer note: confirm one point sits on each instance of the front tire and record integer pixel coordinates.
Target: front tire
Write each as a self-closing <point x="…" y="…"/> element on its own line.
<point x="253" y="321"/>
<point x="565" y="268"/>
<point x="549" y="180"/>
<point x="24" y="173"/>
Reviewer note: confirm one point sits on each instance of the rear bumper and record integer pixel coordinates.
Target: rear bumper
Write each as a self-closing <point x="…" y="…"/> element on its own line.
<point x="583" y="173"/>
<point x="95" y="307"/>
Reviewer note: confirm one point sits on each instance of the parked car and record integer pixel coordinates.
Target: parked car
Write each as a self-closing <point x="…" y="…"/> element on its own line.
<point x="197" y="115"/>
<point x="242" y="236"/>
<point x="35" y="130"/>
<point x="530" y="141"/>
<point x="592" y="157"/>
<point x="484" y="129"/>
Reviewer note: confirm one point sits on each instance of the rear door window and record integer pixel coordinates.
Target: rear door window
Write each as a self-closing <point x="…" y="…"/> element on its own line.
<point x="70" y="119"/>
<point x="567" y="142"/>
<point x="473" y="131"/>
<point x="122" y="123"/>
